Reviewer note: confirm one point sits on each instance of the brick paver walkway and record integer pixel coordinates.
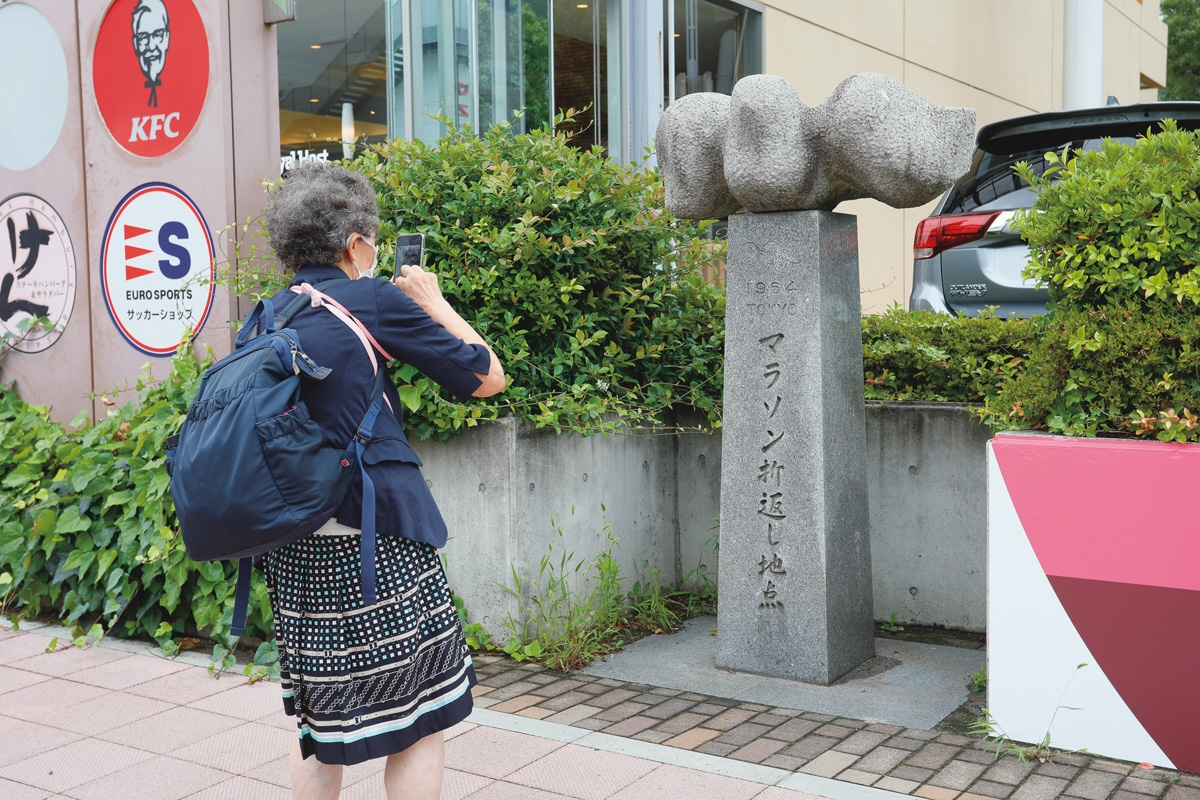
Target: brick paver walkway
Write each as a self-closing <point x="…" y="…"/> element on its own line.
<point x="929" y="764"/>
<point x="104" y="722"/>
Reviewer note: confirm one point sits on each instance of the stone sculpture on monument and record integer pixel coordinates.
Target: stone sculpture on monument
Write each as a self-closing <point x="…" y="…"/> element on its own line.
<point x="795" y="567"/>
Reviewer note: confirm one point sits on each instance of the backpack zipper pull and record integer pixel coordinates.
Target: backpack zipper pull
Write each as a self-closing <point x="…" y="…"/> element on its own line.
<point x="313" y="369"/>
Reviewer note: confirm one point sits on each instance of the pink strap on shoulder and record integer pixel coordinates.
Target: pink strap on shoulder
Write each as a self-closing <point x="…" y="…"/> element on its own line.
<point x="322" y="300"/>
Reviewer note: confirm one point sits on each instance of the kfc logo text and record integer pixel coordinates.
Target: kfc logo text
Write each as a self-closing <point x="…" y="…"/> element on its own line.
<point x="147" y="128"/>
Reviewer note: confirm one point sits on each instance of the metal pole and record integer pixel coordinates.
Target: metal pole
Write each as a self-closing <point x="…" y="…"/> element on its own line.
<point x="550" y="34"/>
<point x="597" y="111"/>
<point x="447" y="64"/>
<point x="473" y="62"/>
<point x="1083" y="53"/>
<point x="671" y="51"/>
<point x="693" y="45"/>
<point x="411" y="50"/>
<point x="500" y="109"/>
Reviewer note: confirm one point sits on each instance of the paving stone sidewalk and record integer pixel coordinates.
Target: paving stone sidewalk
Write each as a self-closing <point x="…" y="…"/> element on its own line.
<point x="119" y="722"/>
<point x="929" y="764"/>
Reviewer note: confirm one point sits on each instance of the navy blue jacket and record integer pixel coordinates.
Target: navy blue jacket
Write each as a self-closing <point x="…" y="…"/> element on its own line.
<point x="404" y="505"/>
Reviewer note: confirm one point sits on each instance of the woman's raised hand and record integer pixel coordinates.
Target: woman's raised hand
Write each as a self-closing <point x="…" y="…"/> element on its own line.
<point x="423" y="288"/>
<point x="419" y="285"/>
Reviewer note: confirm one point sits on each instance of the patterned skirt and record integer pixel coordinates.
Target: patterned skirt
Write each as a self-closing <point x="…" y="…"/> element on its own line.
<point x="366" y="681"/>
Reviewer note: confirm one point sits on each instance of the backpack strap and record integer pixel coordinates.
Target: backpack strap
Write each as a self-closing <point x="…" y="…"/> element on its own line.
<point x="241" y="596"/>
<point x="362" y="438"/>
<point x="284" y="317"/>
<point x="261" y="317"/>
<point x="322" y="300"/>
<point x="314" y="297"/>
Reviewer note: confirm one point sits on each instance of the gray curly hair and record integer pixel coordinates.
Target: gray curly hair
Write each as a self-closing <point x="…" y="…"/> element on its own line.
<point x="311" y="214"/>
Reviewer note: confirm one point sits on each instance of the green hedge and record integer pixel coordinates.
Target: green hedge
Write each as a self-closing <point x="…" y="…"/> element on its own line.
<point x="922" y="355"/>
<point x="569" y="265"/>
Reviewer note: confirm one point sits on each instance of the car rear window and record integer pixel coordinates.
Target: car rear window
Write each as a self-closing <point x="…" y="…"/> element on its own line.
<point x="991" y="182"/>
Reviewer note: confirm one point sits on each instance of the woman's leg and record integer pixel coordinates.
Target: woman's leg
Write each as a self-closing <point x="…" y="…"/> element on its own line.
<point x="312" y="780"/>
<point x="416" y="773"/>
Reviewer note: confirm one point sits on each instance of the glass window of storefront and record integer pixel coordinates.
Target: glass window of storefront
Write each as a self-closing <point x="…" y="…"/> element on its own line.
<point x="715" y="44"/>
<point x="353" y="71"/>
<point x="587" y="70"/>
<point x="463" y="68"/>
<point x="332" y="79"/>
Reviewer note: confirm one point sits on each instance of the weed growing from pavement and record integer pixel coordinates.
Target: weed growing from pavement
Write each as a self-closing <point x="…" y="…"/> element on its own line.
<point x="699" y="588"/>
<point x="987" y="727"/>
<point x="571" y="611"/>
<point x="648" y="602"/>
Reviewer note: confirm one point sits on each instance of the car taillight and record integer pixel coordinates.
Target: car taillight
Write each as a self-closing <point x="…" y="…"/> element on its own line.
<point x="936" y="234"/>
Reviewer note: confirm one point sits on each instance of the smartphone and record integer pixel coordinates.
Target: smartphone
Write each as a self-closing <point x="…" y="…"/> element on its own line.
<point x="410" y="249"/>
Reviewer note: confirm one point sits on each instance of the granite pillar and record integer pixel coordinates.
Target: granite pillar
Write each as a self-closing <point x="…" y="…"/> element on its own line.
<point x="795" y="567"/>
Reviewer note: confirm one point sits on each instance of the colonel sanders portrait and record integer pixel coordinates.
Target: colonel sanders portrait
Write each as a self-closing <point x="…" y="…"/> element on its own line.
<point x="151" y="38"/>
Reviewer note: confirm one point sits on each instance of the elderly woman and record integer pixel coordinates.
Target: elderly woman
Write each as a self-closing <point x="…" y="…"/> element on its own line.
<point x="385" y="679"/>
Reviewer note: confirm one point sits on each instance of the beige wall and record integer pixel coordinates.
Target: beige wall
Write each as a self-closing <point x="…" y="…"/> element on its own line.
<point x="1002" y="59"/>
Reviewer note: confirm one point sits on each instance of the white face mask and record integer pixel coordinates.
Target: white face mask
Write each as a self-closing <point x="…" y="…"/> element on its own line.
<point x="369" y="271"/>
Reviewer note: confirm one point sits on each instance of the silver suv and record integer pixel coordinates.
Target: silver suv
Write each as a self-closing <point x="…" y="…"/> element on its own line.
<point x="966" y="256"/>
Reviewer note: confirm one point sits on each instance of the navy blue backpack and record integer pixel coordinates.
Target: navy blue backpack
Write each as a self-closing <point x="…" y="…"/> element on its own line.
<point x="250" y="470"/>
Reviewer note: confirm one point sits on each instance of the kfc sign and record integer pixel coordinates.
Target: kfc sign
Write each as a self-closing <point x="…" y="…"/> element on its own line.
<point x="150" y="73"/>
<point x="156" y="267"/>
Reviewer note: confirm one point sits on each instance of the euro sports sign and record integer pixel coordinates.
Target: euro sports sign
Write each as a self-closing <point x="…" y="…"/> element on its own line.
<point x="156" y="268"/>
<point x="150" y="73"/>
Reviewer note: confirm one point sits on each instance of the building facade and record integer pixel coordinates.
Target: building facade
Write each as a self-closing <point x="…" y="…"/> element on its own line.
<point x="369" y="69"/>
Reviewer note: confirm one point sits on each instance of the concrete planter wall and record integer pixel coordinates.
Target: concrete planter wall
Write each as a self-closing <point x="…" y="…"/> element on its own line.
<point x="499" y="487"/>
<point x="1093" y="547"/>
<point x="927" y="486"/>
<point x="506" y="489"/>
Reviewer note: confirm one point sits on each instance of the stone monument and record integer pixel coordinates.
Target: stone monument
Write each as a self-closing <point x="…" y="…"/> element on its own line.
<point x="795" y="567"/>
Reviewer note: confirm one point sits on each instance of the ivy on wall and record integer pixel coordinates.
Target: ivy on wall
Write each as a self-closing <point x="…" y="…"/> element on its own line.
<point x="88" y="528"/>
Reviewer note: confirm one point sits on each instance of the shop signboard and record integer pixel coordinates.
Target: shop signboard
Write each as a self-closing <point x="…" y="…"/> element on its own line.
<point x="156" y="268"/>
<point x="38" y="269"/>
<point x="150" y="73"/>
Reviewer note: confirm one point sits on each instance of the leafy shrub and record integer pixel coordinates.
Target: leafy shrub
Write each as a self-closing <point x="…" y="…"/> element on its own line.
<point x="569" y="265"/>
<point x="1114" y="234"/>
<point x="1119" y="223"/>
<point x="88" y="527"/>
<point x="921" y="355"/>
